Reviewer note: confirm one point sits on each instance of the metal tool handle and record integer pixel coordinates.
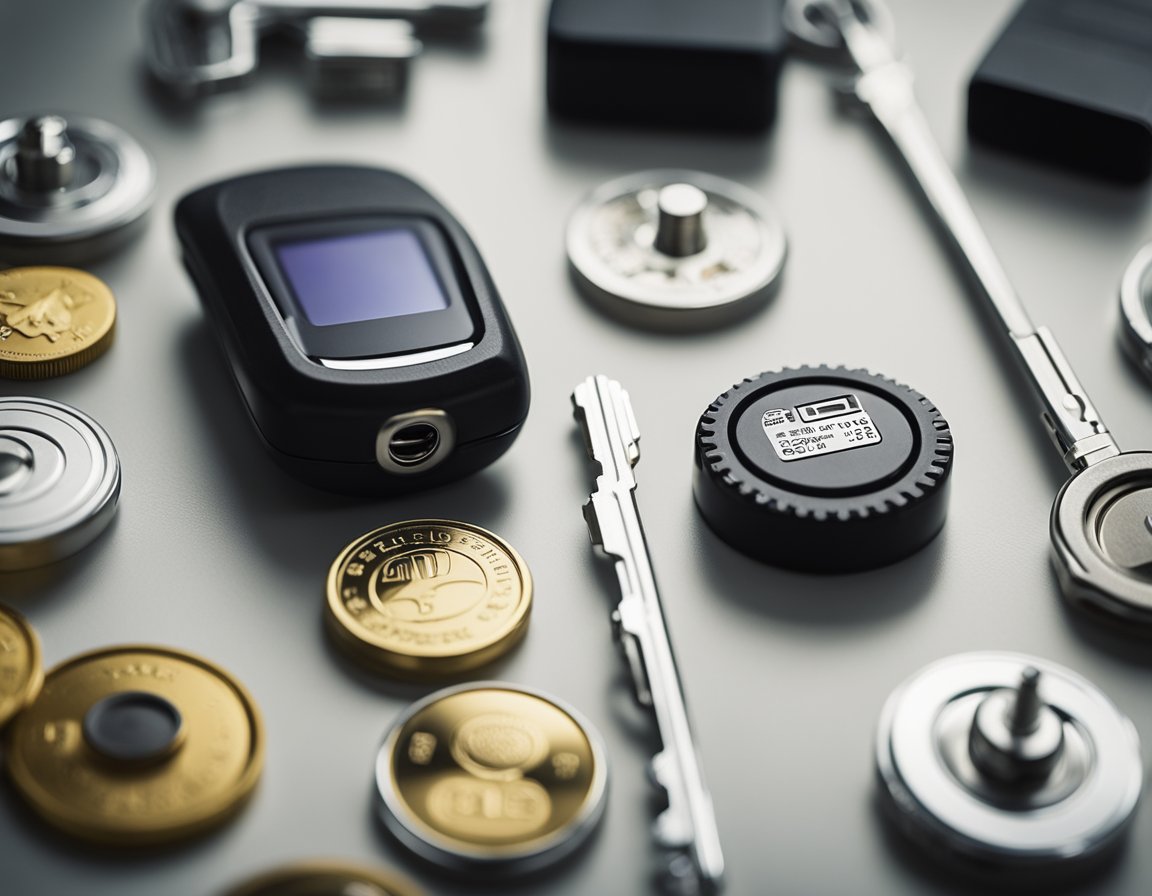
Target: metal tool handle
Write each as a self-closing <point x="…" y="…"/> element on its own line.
<point x="687" y="827"/>
<point x="885" y="86"/>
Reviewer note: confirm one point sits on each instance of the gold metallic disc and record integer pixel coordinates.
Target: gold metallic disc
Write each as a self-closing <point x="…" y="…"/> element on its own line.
<point x="328" y="878"/>
<point x="137" y="745"/>
<point x="491" y="775"/>
<point x="52" y="321"/>
<point x="428" y="598"/>
<point x="21" y="672"/>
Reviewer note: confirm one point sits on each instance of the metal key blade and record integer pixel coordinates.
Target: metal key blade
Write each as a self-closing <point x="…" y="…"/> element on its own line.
<point x="687" y="827"/>
<point x="884" y="85"/>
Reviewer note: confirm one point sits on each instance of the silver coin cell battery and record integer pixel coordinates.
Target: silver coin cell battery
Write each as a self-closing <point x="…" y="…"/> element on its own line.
<point x="71" y="189"/>
<point x="491" y="778"/>
<point x="59" y="481"/>
<point x="961" y="777"/>
<point x="675" y="249"/>
<point x="1136" y="309"/>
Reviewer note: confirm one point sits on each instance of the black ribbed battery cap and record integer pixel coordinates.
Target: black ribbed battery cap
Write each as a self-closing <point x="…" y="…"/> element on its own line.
<point x="823" y="469"/>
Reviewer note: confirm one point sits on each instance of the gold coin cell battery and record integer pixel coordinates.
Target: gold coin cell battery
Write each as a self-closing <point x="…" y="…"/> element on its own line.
<point x="490" y="777"/>
<point x="53" y="321"/>
<point x="325" y="878"/>
<point x="428" y="599"/>
<point x="21" y="675"/>
<point x="136" y="746"/>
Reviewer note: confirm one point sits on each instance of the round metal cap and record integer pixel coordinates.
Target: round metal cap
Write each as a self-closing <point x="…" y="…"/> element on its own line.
<point x="326" y="878"/>
<point x="675" y="249"/>
<point x="59" y="481"/>
<point x="491" y="777"/>
<point x="137" y="745"/>
<point x="428" y="599"/>
<point x="71" y="188"/>
<point x="21" y="672"/>
<point x="1101" y="529"/>
<point x="823" y="469"/>
<point x="937" y="793"/>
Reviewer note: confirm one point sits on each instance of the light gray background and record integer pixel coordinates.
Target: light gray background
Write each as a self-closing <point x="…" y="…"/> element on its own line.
<point x="217" y="552"/>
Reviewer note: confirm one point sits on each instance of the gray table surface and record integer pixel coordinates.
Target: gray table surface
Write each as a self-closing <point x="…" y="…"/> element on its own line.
<point x="216" y="551"/>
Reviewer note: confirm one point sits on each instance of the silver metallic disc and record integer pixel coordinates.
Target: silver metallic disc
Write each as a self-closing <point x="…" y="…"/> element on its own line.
<point x="1101" y="529"/>
<point x="75" y="198"/>
<point x="1136" y="309"/>
<point x="675" y="249"/>
<point x="939" y="799"/>
<point x="59" y="481"/>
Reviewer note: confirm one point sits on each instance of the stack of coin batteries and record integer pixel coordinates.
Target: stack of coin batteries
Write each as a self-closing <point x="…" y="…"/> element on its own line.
<point x="427" y="599"/>
<point x="126" y="746"/>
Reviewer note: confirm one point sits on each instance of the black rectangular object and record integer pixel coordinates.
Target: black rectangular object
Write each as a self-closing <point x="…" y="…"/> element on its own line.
<point x="1069" y="82"/>
<point x="325" y="397"/>
<point x="671" y="63"/>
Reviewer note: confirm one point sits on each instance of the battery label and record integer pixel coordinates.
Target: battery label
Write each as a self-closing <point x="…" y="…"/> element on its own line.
<point x="838" y="423"/>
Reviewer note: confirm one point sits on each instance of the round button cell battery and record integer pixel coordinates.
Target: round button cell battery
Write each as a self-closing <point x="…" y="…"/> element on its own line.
<point x="21" y="674"/>
<point x="137" y="745"/>
<point x="428" y="598"/>
<point x="59" y="481"/>
<point x="493" y="777"/>
<point x="326" y="878"/>
<point x="52" y="321"/>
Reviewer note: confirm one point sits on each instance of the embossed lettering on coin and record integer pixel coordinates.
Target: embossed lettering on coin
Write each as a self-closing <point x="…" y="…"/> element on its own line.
<point x="428" y="597"/>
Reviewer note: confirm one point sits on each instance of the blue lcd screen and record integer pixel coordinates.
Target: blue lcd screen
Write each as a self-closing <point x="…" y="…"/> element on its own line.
<point x="361" y="276"/>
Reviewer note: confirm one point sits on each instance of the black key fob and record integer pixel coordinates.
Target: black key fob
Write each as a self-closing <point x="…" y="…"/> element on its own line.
<point x="362" y="328"/>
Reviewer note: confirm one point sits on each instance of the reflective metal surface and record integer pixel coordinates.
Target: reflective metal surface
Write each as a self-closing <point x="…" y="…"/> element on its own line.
<point x="355" y="49"/>
<point x="52" y="321"/>
<point x="884" y="86"/>
<point x="72" y="188"/>
<point x="686" y="829"/>
<point x="325" y="878"/>
<point x="428" y="599"/>
<point x="21" y="672"/>
<point x="491" y="778"/>
<point x="932" y="759"/>
<point x="59" y="481"/>
<point x="125" y="787"/>
<point x="675" y="249"/>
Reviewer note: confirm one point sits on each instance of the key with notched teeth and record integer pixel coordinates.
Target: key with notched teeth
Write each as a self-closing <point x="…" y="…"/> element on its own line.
<point x="687" y="827"/>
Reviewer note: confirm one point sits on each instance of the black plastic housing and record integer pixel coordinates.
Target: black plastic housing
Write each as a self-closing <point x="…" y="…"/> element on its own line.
<point x="321" y="424"/>
<point x="844" y="511"/>
<point x="672" y="63"/>
<point x="1067" y="82"/>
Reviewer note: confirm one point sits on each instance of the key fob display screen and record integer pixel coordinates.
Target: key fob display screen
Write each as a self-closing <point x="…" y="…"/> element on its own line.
<point x="364" y="276"/>
<point x="363" y="287"/>
<point x="362" y="328"/>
